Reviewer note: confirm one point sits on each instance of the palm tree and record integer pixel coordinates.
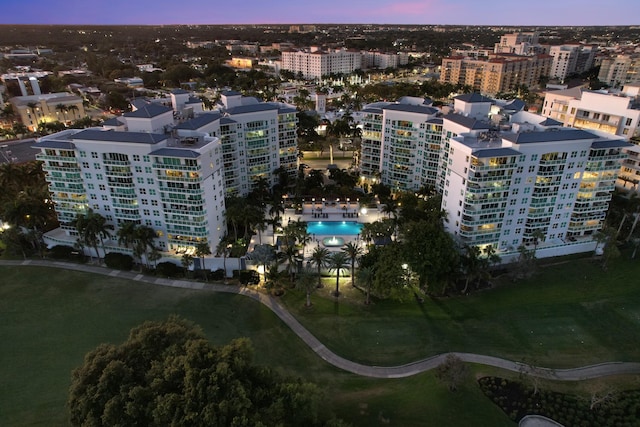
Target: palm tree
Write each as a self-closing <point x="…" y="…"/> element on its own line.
<point x="203" y="249"/>
<point x="73" y="108"/>
<point x="127" y="234"/>
<point x="154" y="256"/>
<point x="338" y="261"/>
<point x="223" y="248"/>
<point x="186" y="260"/>
<point x="61" y="108"/>
<point x="93" y="229"/>
<point x="353" y="251"/>
<point x="32" y="106"/>
<point x="145" y="236"/>
<point x="307" y="282"/>
<point x="290" y="256"/>
<point x="366" y="276"/>
<point x="472" y="265"/>
<point x="320" y="258"/>
<point x="538" y="235"/>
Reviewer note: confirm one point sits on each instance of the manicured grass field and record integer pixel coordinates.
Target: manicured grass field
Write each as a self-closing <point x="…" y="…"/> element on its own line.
<point x="566" y="315"/>
<point x="50" y="318"/>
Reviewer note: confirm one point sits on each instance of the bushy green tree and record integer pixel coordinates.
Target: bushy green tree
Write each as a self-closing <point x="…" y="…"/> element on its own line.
<point x="167" y="373"/>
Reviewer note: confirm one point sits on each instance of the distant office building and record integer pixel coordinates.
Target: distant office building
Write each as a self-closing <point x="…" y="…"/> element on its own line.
<point x="570" y="59"/>
<point x="521" y="43"/>
<point x="620" y="70"/>
<point x="499" y="73"/>
<point x="313" y="65"/>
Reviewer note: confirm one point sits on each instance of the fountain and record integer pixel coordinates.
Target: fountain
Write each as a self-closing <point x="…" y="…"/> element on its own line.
<point x="333" y="242"/>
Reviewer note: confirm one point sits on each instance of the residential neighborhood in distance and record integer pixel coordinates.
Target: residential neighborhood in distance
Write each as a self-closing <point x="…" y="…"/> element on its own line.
<point x="318" y="166"/>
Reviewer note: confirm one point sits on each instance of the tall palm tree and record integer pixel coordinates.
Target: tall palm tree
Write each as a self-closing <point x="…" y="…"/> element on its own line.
<point x="366" y="276"/>
<point x="307" y="281"/>
<point x="353" y="251"/>
<point x="224" y="248"/>
<point x="32" y="106"/>
<point x="320" y="259"/>
<point x="186" y="260"/>
<point x="338" y="261"/>
<point x="538" y="236"/>
<point x="127" y="234"/>
<point x="74" y="109"/>
<point x="93" y="229"/>
<point x="202" y="250"/>
<point x="145" y="237"/>
<point x="290" y="256"/>
<point x="61" y="108"/>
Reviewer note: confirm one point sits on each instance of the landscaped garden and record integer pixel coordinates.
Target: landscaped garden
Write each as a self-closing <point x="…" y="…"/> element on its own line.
<point x="566" y="315"/>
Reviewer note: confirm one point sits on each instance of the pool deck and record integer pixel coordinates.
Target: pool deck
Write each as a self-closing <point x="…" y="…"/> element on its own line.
<point x="319" y="211"/>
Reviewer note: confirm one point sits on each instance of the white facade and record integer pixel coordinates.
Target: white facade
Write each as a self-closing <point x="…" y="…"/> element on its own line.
<point x="503" y="188"/>
<point x="571" y="58"/>
<point x="314" y="65"/>
<point x="400" y="144"/>
<point x="144" y="167"/>
<point x="501" y="184"/>
<point x="151" y="179"/>
<point x="617" y="113"/>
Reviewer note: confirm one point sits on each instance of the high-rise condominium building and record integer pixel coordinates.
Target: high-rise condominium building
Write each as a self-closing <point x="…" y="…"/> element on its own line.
<point x="146" y="168"/>
<point x="503" y="183"/>
<point x="314" y="65"/>
<point x="620" y="70"/>
<point x="500" y="73"/>
<point x="400" y="143"/>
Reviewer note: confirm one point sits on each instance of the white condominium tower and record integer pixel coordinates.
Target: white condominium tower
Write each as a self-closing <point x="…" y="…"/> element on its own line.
<point x="504" y="182"/>
<point x="535" y="179"/>
<point x="151" y="168"/>
<point x="401" y="143"/>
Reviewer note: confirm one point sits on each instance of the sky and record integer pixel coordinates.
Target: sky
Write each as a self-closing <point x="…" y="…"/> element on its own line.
<point x="425" y="12"/>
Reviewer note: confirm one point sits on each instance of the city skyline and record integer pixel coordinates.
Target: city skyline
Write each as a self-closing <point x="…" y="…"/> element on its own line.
<point x="410" y="12"/>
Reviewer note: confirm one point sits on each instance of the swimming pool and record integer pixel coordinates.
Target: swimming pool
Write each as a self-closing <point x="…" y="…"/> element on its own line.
<point x="335" y="228"/>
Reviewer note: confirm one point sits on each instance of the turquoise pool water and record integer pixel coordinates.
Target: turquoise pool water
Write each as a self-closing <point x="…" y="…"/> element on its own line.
<point x="334" y="228"/>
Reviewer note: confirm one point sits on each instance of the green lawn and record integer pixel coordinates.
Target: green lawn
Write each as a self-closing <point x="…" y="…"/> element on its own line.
<point x="566" y="315"/>
<point x="51" y="318"/>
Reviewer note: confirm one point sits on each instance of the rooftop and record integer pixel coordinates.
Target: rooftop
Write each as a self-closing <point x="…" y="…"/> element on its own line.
<point x="148" y="111"/>
<point x="199" y="121"/>
<point x="112" y="136"/>
<point x="548" y="136"/>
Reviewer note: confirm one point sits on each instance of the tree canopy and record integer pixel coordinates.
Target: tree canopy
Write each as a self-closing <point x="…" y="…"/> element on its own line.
<point x="167" y="373"/>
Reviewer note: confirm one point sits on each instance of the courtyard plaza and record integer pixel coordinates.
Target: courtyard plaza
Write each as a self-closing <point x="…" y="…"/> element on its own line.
<point x="328" y="211"/>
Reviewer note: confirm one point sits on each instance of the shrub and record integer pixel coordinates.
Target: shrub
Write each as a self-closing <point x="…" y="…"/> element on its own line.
<point x="62" y="252"/>
<point x="248" y="277"/>
<point x="118" y="261"/>
<point x="216" y="275"/>
<point x="169" y="269"/>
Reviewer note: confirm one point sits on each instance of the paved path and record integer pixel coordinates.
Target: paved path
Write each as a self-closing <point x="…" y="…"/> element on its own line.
<point x="573" y="374"/>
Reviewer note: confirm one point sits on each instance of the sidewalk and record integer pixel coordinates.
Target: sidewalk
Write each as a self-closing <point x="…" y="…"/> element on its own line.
<point x="573" y="374"/>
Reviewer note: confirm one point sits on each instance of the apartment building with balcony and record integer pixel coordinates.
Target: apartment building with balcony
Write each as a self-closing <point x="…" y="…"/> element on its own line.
<point x="400" y="143"/>
<point x="616" y="112"/>
<point x="620" y="70"/>
<point x="315" y="64"/>
<point x="173" y="186"/>
<point x="501" y="182"/>
<point x="151" y="167"/>
<point x="504" y="186"/>
<point x="500" y="73"/>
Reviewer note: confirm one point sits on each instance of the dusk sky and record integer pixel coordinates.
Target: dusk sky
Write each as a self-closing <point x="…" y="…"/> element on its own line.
<point x="474" y="12"/>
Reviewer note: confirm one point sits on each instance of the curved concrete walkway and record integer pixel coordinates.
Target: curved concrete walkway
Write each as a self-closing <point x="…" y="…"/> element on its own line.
<point x="573" y="374"/>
